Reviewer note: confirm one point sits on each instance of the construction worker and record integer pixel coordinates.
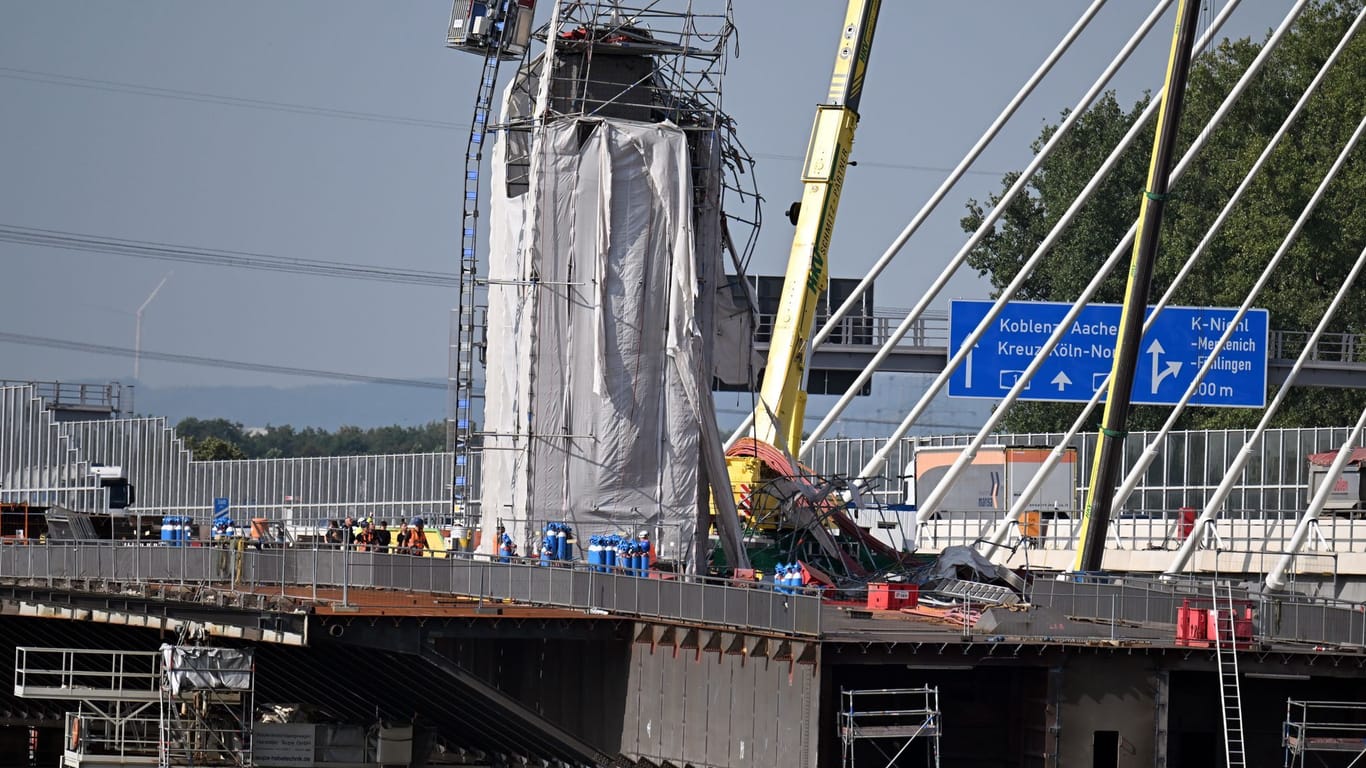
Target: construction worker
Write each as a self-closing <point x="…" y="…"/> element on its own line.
<point x="507" y="548"/>
<point x="366" y="539"/>
<point x="649" y="549"/>
<point x="382" y="536"/>
<point x="417" y="537"/>
<point x="348" y="531"/>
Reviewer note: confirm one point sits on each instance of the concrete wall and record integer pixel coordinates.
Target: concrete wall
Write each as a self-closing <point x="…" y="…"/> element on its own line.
<point x="1106" y="693"/>
<point x="719" y="708"/>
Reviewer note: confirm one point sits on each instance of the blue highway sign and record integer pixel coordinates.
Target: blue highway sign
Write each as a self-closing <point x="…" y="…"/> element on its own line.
<point x="1172" y="351"/>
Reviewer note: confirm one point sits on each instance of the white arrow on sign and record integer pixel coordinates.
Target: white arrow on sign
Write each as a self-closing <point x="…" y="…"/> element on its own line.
<point x="1061" y="380"/>
<point x="1173" y="368"/>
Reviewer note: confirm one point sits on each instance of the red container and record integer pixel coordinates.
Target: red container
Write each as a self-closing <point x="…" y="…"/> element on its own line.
<point x="880" y="596"/>
<point x="892" y="597"/>
<point x="1215" y="624"/>
<point x="1187" y="521"/>
<point x="908" y="595"/>
<point x="1192" y="625"/>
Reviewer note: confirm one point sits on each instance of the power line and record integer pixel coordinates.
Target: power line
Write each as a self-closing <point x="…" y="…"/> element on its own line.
<point x="215" y="362"/>
<point x="202" y="97"/>
<point x="115" y="86"/>
<point x="147" y="249"/>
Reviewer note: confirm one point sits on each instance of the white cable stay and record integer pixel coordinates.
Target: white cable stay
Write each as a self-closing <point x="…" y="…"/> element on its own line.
<point x="875" y="466"/>
<point x="954" y="176"/>
<point x="1002" y="531"/>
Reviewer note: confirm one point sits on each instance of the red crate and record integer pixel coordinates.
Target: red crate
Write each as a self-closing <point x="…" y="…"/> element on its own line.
<point x="892" y="597"/>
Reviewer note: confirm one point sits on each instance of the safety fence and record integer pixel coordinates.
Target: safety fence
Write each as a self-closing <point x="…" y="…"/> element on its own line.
<point x="1145" y="601"/>
<point x="1154" y="531"/>
<point x="232" y="567"/>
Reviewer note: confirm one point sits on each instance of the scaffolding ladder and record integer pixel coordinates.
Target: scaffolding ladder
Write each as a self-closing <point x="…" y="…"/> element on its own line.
<point x="886" y="718"/>
<point x="177" y="707"/>
<point x="465" y="332"/>
<point x="1230" y="689"/>
<point x="1325" y="729"/>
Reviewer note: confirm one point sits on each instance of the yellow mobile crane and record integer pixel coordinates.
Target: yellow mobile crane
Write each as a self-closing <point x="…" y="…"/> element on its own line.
<point x="752" y="463"/>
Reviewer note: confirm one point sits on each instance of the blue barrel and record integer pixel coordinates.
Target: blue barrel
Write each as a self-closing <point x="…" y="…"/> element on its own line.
<point x="562" y="548"/>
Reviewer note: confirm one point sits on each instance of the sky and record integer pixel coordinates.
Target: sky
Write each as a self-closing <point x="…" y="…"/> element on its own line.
<point x="335" y="130"/>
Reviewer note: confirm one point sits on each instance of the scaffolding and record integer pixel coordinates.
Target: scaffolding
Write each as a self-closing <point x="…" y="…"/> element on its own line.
<point x="176" y="707"/>
<point x="1333" y="731"/>
<point x="889" y="720"/>
<point x="649" y="62"/>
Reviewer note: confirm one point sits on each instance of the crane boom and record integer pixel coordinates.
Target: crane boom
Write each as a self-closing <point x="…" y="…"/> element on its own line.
<point x="756" y="465"/>
<point x="782" y="396"/>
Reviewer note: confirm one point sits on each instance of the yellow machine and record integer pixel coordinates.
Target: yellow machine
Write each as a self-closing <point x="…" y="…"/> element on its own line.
<point x="754" y="463"/>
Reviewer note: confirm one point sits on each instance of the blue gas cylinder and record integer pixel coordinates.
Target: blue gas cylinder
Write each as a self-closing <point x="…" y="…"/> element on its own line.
<point x="594" y="553"/>
<point x="609" y="553"/>
<point x="547" y="549"/>
<point x="170" y="530"/>
<point x="625" y="556"/>
<point x="562" y="542"/>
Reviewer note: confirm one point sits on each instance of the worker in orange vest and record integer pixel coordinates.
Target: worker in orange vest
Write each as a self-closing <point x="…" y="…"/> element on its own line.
<point x="366" y="540"/>
<point x="417" y="537"/>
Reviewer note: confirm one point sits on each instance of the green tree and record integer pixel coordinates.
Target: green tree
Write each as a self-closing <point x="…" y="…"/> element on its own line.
<point x="214" y="449"/>
<point x="227" y="431"/>
<point x="215" y="439"/>
<point x="1300" y="289"/>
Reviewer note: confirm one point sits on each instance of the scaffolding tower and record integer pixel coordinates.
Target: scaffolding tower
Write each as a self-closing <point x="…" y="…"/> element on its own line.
<point x="648" y="61"/>
<point x="1334" y="732"/>
<point x="176" y="707"/>
<point x="890" y="720"/>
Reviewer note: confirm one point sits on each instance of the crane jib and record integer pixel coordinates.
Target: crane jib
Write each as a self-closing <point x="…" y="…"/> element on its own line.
<point x="846" y="87"/>
<point x="830" y="206"/>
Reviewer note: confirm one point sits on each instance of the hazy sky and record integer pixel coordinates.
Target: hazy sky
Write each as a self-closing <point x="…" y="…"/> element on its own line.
<point x="153" y="121"/>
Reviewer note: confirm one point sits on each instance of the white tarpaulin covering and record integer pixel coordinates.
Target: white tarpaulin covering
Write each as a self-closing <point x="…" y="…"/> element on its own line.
<point x="196" y="668"/>
<point x="594" y="390"/>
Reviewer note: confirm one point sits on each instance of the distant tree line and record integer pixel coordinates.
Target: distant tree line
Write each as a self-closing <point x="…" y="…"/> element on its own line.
<point x="223" y="440"/>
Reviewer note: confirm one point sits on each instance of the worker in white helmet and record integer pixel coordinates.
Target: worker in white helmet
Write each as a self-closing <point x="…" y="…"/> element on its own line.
<point x="643" y="541"/>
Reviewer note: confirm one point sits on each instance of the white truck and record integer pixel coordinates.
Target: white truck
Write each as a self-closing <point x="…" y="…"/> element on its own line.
<point x="979" y="497"/>
<point x="995" y="479"/>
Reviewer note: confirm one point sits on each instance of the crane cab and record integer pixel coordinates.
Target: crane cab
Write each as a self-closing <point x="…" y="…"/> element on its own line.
<point x="121" y="492"/>
<point x="491" y="26"/>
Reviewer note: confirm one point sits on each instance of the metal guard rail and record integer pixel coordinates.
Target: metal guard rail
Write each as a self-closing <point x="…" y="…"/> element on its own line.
<point x="1143" y="600"/>
<point x="687" y="599"/>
